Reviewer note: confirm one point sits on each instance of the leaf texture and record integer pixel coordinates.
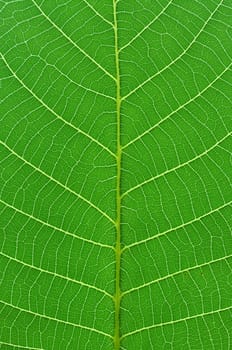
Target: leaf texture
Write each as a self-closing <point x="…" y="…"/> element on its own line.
<point x="115" y="158"/>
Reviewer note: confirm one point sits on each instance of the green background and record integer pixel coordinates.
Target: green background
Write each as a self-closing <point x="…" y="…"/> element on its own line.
<point x="58" y="174"/>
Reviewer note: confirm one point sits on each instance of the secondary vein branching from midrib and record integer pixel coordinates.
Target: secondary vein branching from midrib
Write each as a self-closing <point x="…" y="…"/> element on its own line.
<point x="117" y="297"/>
<point x="52" y="110"/>
<point x="71" y="41"/>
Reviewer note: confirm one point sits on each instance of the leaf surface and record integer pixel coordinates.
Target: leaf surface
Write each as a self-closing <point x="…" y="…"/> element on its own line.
<point x="115" y="192"/>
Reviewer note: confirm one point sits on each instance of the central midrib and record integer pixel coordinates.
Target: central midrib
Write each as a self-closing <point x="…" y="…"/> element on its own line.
<point x="117" y="297"/>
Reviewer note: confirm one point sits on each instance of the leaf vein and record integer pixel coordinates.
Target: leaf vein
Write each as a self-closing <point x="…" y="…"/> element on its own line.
<point x="73" y="43"/>
<point x="59" y="183"/>
<point x="177" y="58"/>
<point x="185" y="319"/>
<point x="54" y="113"/>
<point x="76" y="325"/>
<point x="19" y="346"/>
<point x="147" y="26"/>
<point x="98" y="14"/>
<point x="174" y="274"/>
<point x="177" y="227"/>
<point x="177" y="167"/>
<point x="55" y="227"/>
<point x="57" y="275"/>
<point x="179" y="108"/>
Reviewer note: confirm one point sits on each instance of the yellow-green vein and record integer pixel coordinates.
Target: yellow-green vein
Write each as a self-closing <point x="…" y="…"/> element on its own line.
<point x="117" y="296"/>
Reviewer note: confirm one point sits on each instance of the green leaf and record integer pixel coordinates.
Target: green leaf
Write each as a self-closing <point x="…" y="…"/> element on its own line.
<point x="115" y="179"/>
